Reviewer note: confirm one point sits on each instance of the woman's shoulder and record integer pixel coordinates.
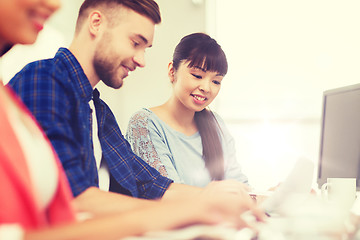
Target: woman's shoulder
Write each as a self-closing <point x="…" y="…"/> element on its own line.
<point x="141" y="113"/>
<point x="140" y="116"/>
<point x="144" y="117"/>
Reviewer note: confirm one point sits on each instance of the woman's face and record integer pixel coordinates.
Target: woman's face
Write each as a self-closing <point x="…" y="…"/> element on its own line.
<point x="22" y="20"/>
<point x="194" y="87"/>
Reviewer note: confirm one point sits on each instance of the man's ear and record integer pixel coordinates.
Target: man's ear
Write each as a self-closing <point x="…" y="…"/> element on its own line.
<point x="171" y="72"/>
<point x="95" y="22"/>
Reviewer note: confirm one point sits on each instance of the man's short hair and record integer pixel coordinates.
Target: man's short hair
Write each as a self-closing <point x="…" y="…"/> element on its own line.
<point x="147" y="8"/>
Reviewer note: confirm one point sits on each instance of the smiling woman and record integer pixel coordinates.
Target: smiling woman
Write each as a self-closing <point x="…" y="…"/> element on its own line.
<point x="183" y="139"/>
<point x="27" y="17"/>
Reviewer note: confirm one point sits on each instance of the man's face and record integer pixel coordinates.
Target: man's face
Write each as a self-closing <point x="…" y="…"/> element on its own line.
<point x="122" y="48"/>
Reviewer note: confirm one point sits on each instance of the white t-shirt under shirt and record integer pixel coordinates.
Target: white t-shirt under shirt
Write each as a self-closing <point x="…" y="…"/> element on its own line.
<point x="175" y="155"/>
<point x="103" y="170"/>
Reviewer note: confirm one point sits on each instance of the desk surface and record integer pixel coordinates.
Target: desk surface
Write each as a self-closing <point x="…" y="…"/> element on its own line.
<point x="310" y="220"/>
<point x="273" y="230"/>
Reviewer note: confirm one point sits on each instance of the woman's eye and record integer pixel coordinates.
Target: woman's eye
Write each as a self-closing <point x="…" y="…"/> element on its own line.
<point x="197" y="76"/>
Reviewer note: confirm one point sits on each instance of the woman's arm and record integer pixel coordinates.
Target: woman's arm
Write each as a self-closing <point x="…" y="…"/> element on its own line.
<point x="233" y="196"/>
<point x="98" y="203"/>
<point x="148" y="142"/>
<point x="162" y="216"/>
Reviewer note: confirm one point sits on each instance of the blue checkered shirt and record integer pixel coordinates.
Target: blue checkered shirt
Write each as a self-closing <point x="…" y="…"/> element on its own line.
<point x="58" y="92"/>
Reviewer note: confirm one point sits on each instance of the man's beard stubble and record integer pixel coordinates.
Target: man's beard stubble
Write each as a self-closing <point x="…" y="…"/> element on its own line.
<point x="104" y="67"/>
<point x="105" y="71"/>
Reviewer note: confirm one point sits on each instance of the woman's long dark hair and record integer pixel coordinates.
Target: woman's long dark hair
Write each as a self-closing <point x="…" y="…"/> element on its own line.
<point x="200" y="50"/>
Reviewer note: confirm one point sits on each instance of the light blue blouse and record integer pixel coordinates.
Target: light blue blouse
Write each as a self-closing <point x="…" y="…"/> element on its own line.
<point x="175" y="155"/>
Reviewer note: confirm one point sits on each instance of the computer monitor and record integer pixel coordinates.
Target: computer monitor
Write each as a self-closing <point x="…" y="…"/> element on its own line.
<point x="340" y="135"/>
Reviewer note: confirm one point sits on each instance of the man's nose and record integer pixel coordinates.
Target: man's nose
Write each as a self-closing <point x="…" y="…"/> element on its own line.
<point x="139" y="59"/>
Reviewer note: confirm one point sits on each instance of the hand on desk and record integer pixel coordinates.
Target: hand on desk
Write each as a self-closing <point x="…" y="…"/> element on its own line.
<point x="260" y="196"/>
<point x="218" y="202"/>
<point x="231" y="199"/>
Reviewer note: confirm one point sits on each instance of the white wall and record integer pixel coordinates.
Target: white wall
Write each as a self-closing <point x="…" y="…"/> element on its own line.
<point x="282" y="55"/>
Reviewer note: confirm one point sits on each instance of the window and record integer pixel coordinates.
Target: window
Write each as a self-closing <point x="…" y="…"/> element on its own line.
<point x="282" y="55"/>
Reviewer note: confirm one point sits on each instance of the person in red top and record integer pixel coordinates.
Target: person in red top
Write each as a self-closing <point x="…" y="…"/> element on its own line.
<point x="36" y="202"/>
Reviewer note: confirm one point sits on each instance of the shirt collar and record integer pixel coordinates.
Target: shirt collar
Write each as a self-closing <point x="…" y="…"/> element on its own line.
<point x="77" y="75"/>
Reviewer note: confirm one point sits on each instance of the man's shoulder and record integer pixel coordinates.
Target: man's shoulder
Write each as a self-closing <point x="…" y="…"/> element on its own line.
<point x="36" y="69"/>
<point x="52" y="66"/>
<point x="39" y="65"/>
<point x="42" y="76"/>
<point x="29" y="74"/>
<point x="46" y="71"/>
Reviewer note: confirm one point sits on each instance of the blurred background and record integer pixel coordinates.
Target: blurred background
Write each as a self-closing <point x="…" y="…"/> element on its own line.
<point x="282" y="55"/>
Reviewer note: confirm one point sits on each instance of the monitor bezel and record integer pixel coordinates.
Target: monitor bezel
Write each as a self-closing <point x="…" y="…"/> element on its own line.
<point x="326" y="93"/>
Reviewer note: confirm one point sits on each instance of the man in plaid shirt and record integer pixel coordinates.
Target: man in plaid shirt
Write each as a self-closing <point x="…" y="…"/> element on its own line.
<point x="110" y="40"/>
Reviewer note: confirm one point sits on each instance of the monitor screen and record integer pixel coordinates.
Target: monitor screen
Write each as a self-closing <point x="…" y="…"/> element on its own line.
<point x="340" y="134"/>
